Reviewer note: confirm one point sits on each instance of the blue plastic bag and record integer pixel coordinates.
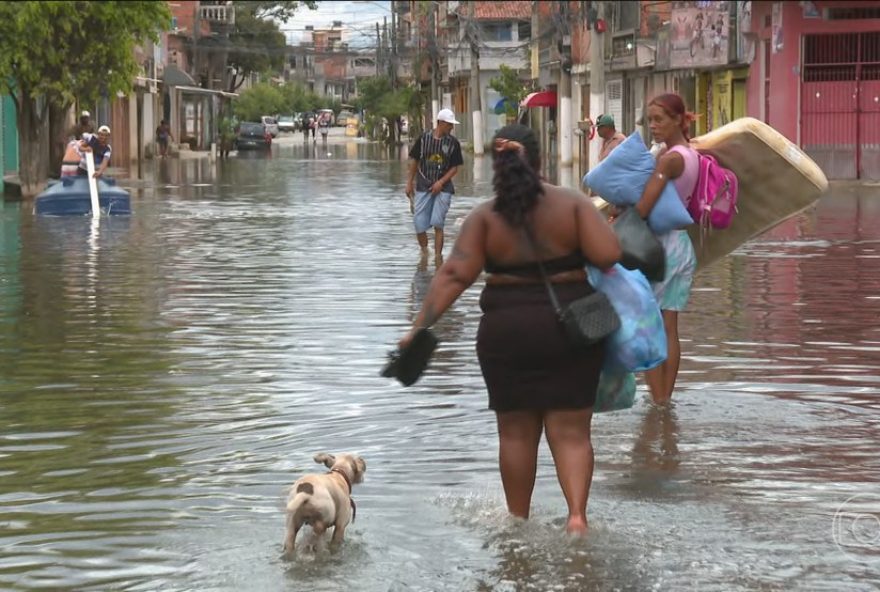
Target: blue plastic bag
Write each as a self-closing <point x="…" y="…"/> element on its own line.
<point x="616" y="390"/>
<point x="621" y="178"/>
<point x="640" y="343"/>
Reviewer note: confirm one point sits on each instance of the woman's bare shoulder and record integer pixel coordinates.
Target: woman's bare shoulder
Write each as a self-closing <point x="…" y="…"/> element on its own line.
<point x="560" y="192"/>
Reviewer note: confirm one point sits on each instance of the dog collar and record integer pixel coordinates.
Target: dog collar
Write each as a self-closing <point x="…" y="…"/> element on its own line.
<point x="347" y="482"/>
<point x="344" y="476"/>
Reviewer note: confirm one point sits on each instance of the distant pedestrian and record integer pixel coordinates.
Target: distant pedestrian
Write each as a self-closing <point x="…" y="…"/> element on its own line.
<point x="611" y="138"/>
<point x="434" y="161"/>
<point x="163" y="134"/>
<point x="83" y="127"/>
<point x="324" y="124"/>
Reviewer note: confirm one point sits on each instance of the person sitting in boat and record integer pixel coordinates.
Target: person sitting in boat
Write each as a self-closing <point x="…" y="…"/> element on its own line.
<point x="100" y="145"/>
<point x="73" y="156"/>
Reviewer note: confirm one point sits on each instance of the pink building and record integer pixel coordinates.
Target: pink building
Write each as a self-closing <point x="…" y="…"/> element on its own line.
<point x="816" y="79"/>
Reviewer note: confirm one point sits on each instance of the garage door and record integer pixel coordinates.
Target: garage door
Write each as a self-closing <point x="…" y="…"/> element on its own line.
<point x="840" y="104"/>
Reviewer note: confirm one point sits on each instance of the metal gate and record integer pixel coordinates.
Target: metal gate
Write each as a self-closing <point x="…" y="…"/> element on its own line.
<point x="840" y="104"/>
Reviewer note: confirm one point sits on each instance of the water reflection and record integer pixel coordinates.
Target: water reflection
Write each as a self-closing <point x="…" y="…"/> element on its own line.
<point x="655" y="453"/>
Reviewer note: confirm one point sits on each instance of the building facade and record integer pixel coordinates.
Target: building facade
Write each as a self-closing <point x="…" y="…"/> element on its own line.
<point x="816" y="79"/>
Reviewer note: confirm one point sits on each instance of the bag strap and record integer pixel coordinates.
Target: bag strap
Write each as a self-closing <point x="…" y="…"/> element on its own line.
<point x="550" y="291"/>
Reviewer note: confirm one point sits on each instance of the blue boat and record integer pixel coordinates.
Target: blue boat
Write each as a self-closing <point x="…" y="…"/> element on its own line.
<point x="70" y="197"/>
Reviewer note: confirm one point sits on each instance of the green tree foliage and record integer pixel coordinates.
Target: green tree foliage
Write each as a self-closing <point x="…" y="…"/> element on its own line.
<point x="261" y="99"/>
<point x="53" y="52"/>
<point x="256" y="44"/>
<point x="380" y="101"/>
<point x="285" y="99"/>
<point x="282" y="11"/>
<point x="509" y="85"/>
<point x="297" y="99"/>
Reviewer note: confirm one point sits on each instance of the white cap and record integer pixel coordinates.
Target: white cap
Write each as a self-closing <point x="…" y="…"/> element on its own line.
<point x="85" y="114"/>
<point x="447" y="115"/>
<point x="103" y="130"/>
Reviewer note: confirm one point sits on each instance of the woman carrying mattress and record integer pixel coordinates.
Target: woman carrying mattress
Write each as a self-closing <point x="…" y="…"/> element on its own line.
<point x="668" y="121"/>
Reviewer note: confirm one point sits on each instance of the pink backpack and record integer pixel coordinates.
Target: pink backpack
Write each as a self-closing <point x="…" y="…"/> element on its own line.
<point x="713" y="202"/>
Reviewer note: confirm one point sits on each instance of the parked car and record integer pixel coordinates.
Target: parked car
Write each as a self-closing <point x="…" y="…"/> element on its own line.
<point x="271" y="125"/>
<point x="286" y="123"/>
<point x="252" y="136"/>
<point x="342" y="118"/>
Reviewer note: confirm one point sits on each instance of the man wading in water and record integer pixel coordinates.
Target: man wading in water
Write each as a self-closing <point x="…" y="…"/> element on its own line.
<point x="434" y="161"/>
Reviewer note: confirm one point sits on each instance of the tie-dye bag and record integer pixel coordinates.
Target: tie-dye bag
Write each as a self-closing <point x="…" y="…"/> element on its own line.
<point x="640" y="342"/>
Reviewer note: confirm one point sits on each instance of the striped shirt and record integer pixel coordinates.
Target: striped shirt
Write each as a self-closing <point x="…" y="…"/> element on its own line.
<point x="435" y="157"/>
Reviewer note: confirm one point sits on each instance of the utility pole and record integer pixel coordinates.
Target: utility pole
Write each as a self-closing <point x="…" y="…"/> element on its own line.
<point x="597" y="75"/>
<point x="432" y="50"/>
<point x="476" y="93"/>
<point x="378" y="50"/>
<point x="395" y="23"/>
<point x="565" y="126"/>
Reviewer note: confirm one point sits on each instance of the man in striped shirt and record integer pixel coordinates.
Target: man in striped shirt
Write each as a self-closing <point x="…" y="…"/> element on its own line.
<point x="434" y="161"/>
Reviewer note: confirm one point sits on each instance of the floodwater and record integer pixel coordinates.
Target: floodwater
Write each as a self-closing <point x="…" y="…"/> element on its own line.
<point x="165" y="377"/>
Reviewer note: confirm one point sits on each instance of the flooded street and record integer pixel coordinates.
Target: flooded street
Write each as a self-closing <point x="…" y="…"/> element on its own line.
<point x="164" y="377"/>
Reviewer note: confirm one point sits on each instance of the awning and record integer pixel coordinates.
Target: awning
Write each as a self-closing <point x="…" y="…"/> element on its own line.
<point x="174" y="76"/>
<point x="205" y="91"/>
<point x="544" y="98"/>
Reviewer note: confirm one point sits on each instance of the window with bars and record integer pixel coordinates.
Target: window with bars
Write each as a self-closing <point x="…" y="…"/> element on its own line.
<point x="840" y="57"/>
<point x="853" y="13"/>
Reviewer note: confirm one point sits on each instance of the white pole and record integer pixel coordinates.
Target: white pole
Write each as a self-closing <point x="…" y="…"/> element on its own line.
<point x="565" y="127"/>
<point x="93" y="184"/>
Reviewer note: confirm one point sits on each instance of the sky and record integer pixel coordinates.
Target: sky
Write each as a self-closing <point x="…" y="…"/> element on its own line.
<point x="359" y="17"/>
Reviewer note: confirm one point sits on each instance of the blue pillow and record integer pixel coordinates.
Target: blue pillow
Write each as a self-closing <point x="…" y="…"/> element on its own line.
<point x="621" y="178"/>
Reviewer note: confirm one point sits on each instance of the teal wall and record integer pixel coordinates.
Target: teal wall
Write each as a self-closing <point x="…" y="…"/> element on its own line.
<point x="8" y="139"/>
<point x="10" y="135"/>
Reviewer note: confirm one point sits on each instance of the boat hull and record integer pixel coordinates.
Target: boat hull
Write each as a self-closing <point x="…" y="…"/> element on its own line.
<point x="70" y="197"/>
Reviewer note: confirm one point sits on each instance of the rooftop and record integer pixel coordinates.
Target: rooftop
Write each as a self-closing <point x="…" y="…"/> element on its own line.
<point x="502" y="11"/>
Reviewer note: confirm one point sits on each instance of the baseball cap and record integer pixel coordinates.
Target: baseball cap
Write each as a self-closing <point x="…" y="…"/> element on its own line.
<point x="605" y="120"/>
<point x="85" y="114"/>
<point x="446" y="115"/>
<point x="103" y="130"/>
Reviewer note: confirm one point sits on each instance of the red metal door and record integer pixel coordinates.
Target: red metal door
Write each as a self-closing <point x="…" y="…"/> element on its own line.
<point x="840" y="104"/>
<point x="869" y="107"/>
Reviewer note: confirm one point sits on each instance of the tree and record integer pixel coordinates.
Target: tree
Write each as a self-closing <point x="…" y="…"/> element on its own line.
<point x="256" y="44"/>
<point x="510" y="87"/>
<point x="261" y="99"/>
<point x="53" y="52"/>
<point x="376" y="96"/>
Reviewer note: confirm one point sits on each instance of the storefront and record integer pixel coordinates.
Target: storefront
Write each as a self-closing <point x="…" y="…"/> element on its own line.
<point x="817" y="81"/>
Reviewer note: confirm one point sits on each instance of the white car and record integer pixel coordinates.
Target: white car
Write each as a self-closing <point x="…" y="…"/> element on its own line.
<point x="286" y="123"/>
<point x="271" y="125"/>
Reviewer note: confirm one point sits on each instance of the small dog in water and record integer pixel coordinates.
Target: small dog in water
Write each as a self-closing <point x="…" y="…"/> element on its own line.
<point x="324" y="500"/>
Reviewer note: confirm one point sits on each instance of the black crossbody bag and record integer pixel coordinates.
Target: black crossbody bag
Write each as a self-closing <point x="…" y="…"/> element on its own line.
<point x="586" y="320"/>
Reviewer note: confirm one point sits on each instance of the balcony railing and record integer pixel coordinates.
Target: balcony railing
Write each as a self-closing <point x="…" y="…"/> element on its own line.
<point x="219" y="12"/>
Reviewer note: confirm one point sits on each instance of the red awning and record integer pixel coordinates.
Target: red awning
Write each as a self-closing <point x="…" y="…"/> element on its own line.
<point x="544" y="98"/>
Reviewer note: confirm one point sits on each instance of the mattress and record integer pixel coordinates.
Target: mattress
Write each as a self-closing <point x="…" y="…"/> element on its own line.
<point x="776" y="181"/>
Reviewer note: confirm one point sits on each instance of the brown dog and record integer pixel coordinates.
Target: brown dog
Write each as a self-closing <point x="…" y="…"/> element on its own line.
<point x="324" y="500"/>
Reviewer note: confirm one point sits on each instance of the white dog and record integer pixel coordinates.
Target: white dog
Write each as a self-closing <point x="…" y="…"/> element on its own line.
<point x="324" y="500"/>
